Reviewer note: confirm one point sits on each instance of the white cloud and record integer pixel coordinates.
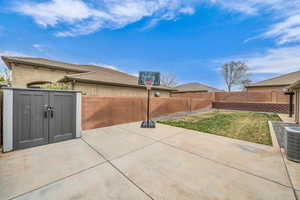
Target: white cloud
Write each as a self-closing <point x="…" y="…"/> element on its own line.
<point x="280" y="61"/>
<point x="272" y="61"/>
<point x="85" y="17"/>
<point x="286" y="15"/>
<point x="38" y="47"/>
<point x="286" y="31"/>
<point x="89" y="16"/>
<point x="106" y="65"/>
<point x="52" y="12"/>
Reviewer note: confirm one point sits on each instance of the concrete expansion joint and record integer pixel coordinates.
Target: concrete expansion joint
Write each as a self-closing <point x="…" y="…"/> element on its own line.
<point x="229" y="166"/>
<point x="157" y="140"/>
<point x="115" y="167"/>
<point x="76" y="173"/>
<point x="289" y="176"/>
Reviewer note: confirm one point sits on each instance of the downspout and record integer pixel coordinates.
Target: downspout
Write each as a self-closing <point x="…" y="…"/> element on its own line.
<point x="73" y="84"/>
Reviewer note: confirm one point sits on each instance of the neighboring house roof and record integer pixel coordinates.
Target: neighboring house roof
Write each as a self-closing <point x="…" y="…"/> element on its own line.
<point x="295" y="85"/>
<point x="85" y="73"/>
<point x="195" y="87"/>
<point x="283" y="80"/>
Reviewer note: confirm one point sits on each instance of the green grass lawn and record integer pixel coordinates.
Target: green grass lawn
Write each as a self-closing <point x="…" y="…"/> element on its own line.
<point x="248" y="126"/>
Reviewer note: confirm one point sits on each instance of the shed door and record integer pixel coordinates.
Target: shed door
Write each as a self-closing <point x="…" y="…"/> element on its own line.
<point x="63" y="117"/>
<point x="30" y="124"/>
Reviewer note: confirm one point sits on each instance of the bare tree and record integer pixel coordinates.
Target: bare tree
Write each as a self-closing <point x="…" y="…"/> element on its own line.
<point x="245" y="83"/>
<point x="169" y="80"/>
<point x="5" y="75"/>
<point x="235" y="73"/>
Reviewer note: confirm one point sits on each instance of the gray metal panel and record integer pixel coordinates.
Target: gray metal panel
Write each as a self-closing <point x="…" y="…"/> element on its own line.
<point x="44" y="90"/>
<point x="30" y="125"/>
<point x="63" y="123"/>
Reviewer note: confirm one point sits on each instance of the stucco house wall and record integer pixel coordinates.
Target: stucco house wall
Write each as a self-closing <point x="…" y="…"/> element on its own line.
<point x="23" y="74"/>
<point x="111" y="91"/>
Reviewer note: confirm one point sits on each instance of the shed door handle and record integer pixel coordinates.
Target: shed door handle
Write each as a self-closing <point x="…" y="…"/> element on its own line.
<point x="52" y="112"/>
<point x="46" y="114"/>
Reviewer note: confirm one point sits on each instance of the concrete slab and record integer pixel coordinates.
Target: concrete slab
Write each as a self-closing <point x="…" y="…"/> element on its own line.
<point x="101" y="182"/>
<point x="294" y="172"/>
<point x="167" y="173"/>
<point x="25" y="170"/>
<point x="115" y="142"/>
<point x="261" y="160"/>
<point x="286" y="118"/>
<point x="161" y="131"/>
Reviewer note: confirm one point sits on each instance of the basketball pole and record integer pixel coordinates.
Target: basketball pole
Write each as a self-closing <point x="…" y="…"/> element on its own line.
<point x="148" y="123"/>
<point x="148" y="107"/>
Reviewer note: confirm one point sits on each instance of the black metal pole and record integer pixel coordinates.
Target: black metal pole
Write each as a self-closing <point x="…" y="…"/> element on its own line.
<point x="148" y="107"/>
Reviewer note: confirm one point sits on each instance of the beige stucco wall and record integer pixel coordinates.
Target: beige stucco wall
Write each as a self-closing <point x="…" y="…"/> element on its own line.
<point x="24" y="74"/>
<point x="259" y="89"/>
<point x="111" y="91"/>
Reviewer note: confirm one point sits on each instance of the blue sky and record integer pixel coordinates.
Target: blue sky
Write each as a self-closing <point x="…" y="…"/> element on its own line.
<point x="189" y="38"/>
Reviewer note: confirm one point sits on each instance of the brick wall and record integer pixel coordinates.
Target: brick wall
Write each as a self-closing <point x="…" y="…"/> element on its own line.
<point x="252" y="97"/>
<point x="201" y="95"/>
<point x="106" y="111"/>
<point x="258" y="107"/>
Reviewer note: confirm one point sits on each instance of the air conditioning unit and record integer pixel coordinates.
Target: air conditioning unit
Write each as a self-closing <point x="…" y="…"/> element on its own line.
<point x="292" y="143"/>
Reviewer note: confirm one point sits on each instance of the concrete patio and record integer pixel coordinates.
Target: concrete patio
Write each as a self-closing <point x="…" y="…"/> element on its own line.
<point x="127" y="162"/>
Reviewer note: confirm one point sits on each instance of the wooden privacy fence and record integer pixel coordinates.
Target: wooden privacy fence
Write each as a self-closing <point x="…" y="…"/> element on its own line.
<point x="106" y="111"/>
<point x="252" y="97"/>
<point x="239" y="97"/>
<point x="266" y="101"/>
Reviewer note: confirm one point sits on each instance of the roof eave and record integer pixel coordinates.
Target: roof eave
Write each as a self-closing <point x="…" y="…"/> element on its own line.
<point x="9" y="60"/>
<point x="278" y="85"/>
<point x="5" y="60"/>
<point x="295" y="85"/>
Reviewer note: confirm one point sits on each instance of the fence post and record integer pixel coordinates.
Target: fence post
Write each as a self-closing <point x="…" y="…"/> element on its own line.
<point x="190" y="104"/>
<point x="213" y="96"/>
<point x="273" y="97"/>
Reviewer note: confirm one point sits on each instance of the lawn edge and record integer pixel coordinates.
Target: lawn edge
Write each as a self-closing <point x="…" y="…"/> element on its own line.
<point x="275" y="143"/>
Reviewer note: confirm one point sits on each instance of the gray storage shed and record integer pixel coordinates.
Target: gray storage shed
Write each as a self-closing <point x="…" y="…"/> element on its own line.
<point x="33" y="117"/>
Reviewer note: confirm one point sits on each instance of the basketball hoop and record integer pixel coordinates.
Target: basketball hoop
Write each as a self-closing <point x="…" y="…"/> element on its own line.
<point x="148" y="84"/>
<point x="148" y="79"/>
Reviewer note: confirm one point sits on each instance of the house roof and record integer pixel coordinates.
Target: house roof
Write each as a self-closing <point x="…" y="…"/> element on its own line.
<point x="42" y="62"/>
<point x="195" y="87"/>
<point x="295" y="85"/>
<point x="83" y="73"/>
<point x="283" y="80"/>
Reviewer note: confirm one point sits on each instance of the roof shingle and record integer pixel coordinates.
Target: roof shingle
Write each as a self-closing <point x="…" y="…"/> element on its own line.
<point x="283" y="80"/>
<point x="195" y="87"/>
